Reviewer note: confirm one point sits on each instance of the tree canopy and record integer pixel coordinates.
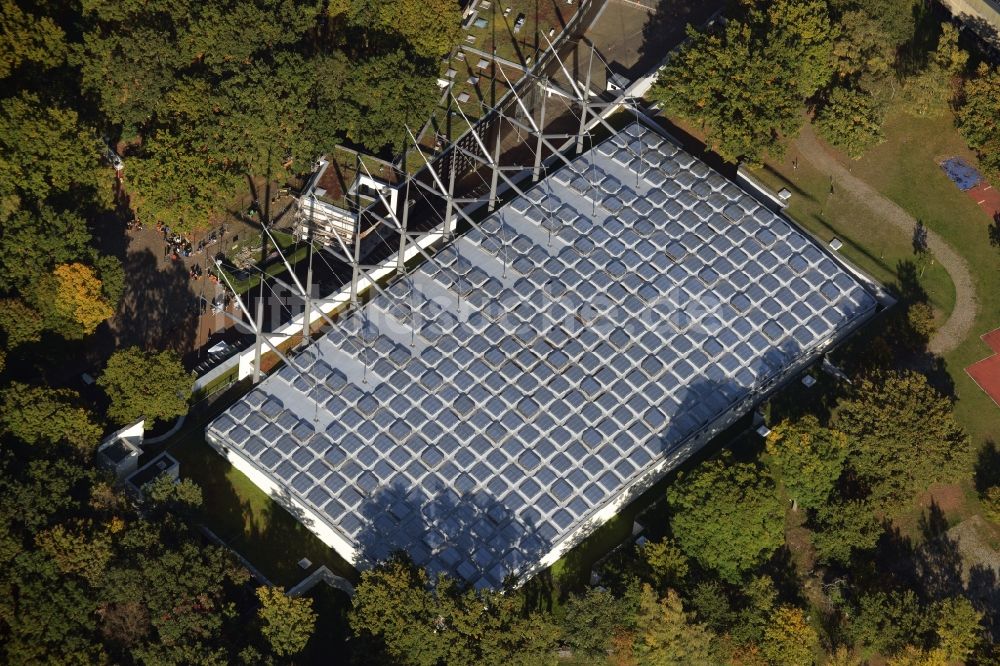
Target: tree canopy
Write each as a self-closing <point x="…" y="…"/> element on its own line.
<point x="39" y="415"/>
<point x="746" y="83"/>
<point x="978" y="116"/>
<point x="807" y="458"/>
<point x="395" y="609"/>
<point x="288" y="622"/>
<point x="903" y="436"/>
<point x="153" y="386"/>
<point x="726" y="515"/>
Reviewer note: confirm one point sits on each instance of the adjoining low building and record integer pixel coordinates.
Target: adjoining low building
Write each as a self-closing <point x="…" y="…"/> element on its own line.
<point x="119" y="452"/>
<point x="497" y="404"/>
<point x="162" y="464"/>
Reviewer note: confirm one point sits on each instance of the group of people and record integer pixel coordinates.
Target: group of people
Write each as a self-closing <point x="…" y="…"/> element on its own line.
<point x="177" y="245"/>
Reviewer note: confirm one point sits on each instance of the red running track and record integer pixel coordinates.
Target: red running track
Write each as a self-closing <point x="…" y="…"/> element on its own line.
<point x="986" y="373"/>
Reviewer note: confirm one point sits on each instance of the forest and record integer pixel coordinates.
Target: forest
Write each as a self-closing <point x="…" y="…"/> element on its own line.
<point x="202" y="99"/>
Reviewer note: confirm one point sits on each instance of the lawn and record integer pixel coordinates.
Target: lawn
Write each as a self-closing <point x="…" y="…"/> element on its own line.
<point x="248" y="520"/>
<point x="905" y="169"/>
<point x="875" y="248"/>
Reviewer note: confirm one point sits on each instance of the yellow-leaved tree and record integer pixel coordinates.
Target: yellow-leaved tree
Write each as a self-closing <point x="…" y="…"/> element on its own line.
<point x="789" y="638"/>
<point x="79" y="296"/>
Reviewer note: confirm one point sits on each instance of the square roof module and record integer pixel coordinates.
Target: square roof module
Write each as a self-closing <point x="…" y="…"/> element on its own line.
<point x="505" y="398"/>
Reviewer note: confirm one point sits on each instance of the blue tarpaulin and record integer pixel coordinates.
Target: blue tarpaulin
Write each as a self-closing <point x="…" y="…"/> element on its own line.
<point x="962" y="173"/>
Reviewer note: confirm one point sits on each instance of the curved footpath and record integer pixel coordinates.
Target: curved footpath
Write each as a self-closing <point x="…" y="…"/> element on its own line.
<point x="959" y="324"/>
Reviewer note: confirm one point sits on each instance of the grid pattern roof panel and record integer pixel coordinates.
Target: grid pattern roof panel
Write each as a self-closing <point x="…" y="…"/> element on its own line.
<point x="536" y="367"/>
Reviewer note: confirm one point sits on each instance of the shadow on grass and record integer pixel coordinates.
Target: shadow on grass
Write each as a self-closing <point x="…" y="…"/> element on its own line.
<point x="987" y="467"/>
<point x="934" y="568"/>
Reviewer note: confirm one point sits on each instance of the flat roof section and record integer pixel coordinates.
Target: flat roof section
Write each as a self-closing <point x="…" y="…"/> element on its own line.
<point x="501" y="399"/>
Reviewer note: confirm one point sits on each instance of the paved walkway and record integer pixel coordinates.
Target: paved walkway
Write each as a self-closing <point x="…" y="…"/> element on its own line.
<point x="322" y="574"/>
<point x="959" y="324"/>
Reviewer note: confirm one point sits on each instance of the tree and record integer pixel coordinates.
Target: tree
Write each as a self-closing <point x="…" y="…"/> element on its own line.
<point x="78" y="549"/>
<point x="666" y="562"/>
<point x="808" y="34"/>
<point x="384" y="95"/>
<point x="112" y="274"/>
<point x="39" y="415"/>
<point x="978" y="116"/>
<point x="843" y="528"/>
<point x="807" y="458"/>
<point x="928" y="93"/>
<point x="725" y="514"/>
<point x="431" y="27"/>
<point x="176" y="181"/>
<point x="288" y="622"/>
<point x="789" y="640"/>
<point x="666" y="634"/>
<point x="153" y="386"/>
<point x="177" y="494"/>
<point x="19" y="322"/>
<point x="991" y="503"/>
<point x="44" y="151"/>
<point x="851" y="119"/>
<point x="739" y="89"/>
<point x="594" y="618"/>
<point x="914" y="656"/>
<point x="958" y="628"/>
<point x="903" y="436"/>
<point x="80" y="297"/>
<point x="27" y="38"/>
<point x="888" y="621"/>
<point x="32" y="243"/>
<point x="395" y="610"/>
<point x="873" y="32"/>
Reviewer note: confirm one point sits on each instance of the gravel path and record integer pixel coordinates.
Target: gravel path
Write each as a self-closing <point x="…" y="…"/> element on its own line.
<point x="959" y="324"/>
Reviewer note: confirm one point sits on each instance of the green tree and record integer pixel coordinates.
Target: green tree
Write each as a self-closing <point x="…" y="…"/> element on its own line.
<point x="177" y="182"/>
<point x="808" y="34"/>
<point x="725" y="514"/>
<point x="112" y="275"/>
<point x="666" y="634"/>
<point x="903" y="436"/>
<point x="39" y="415"/>
<point x="666" y="562"/>
<point x="592" y="619"/>
<point x="153" y="386"/>
<point x="28" y="38"/>
<point x="394" y="609"/>
<point x="789" y="640"/>
<point x="739" y="89"/>
<point x="807" y="458"/>
<point x="78" y="549"/>
<point x="176" y="494"/>
<point x="978" y="117"/>
<point x="888" y="621"/>
<point x="33" y="243"/>
<point x="431" y="27"/>
<point x="288" y="622"/>
<point x="959" y="628"/>
<point x="843" y="528"/>
<point x="872" y="33"/>
<point x="928" y="93"/>
<point x="384" y="95"/>
<point x="21" y="323"/>
<point x="44" y="151"/>
<point x="851" y="119"/>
